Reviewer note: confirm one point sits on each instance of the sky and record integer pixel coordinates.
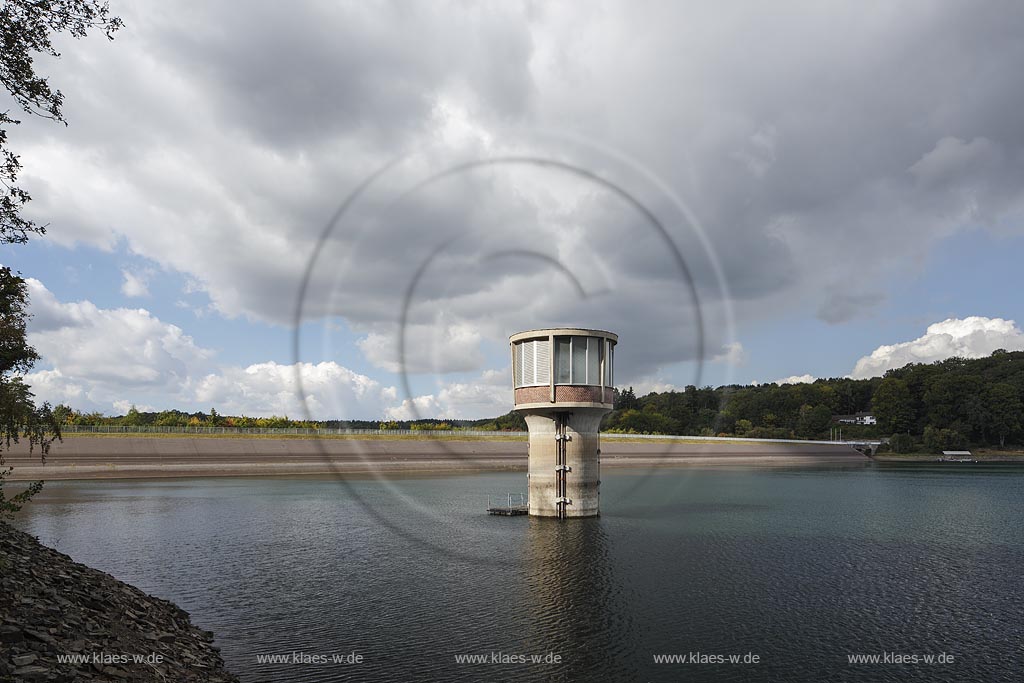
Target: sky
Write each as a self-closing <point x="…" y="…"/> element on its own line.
<point x="342" y="210"/>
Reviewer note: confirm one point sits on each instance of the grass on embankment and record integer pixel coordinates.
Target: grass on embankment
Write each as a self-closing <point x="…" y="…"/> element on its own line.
<point x="296" y="437"/>
<point x="426" y="436"/>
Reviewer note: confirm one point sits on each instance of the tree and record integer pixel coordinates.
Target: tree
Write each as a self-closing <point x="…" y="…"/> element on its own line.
<point x="742" y="427"/>
<point x="511" y="421"/>
<point x="643" y="422"/>
<point x="133" y="418"/>
<point x="171" y="418"/>
<point x="813" y="420"/>
<point x="26" y="28"/>
<point x="937" y="440"/>
<point x="627" y="400"/>
<point x="64" y="414"/>
<point x="901" y="443"/>
<point x="1004" y="410"/>
<point x="892" y="406"/>
<point x="20" y="418"/>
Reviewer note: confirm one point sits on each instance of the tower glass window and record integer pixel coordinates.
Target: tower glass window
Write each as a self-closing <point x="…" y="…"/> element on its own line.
<point x="563" y="373"/>
<point x="609" y="366"/>
<point x="578" y="359"/>
<point x="593" y="360"/>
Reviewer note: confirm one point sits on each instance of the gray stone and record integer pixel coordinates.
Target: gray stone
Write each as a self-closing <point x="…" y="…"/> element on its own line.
<point x="24" y="660"/>
<point x="41" y="636"/>
<point x="94" y="604"/>
<point x="11" y="634"/>
<point x="30" y="674"/>
<point x="38" y="622"/>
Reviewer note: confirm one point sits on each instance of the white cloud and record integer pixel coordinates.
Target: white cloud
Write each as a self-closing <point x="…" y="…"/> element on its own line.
<point x="110" y="359"/>
<point x="52" y="386"/>
<point x="263" y="389"/>
<point x="440" y="348"/>
<point x="796" y="379"/>
<point x="732" y="354"/>
<point x="420" y="407"/>
<point x="972" y="337"/>
<point x="134" y="284"/>
<point x="122" y="407"/>
<point x="489" y="394"/>
<point x="110" y="350"/>
<point x="647" y="385"/>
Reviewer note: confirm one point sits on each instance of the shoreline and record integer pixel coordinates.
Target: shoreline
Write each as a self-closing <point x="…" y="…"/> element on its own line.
<point x="66" y="621"/>
<point x="145" y="457"/>
<point x="931" y="458"/>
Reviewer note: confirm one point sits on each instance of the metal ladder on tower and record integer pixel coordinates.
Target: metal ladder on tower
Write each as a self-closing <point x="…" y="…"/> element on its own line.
<point x="561" y="468"/>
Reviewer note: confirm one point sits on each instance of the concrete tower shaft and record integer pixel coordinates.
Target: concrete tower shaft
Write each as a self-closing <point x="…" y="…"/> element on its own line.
<point x="562" y="380"/>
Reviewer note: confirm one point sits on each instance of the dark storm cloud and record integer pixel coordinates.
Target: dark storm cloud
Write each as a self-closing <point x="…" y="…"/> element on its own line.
<point x="796" y="132"/>
<point x="819" y="147"/>
<point x="300" y="73"/>
<point x="840" y="306"/>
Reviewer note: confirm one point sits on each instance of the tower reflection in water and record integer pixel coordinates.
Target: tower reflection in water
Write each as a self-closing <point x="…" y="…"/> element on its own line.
<point x="575" y="604"/>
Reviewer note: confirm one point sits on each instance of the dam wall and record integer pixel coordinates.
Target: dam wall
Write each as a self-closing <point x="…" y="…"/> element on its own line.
<point x="144" y="456"/>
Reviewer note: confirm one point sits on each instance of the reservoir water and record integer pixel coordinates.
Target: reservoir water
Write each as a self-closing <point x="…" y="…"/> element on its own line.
<point x="800" y="568"/>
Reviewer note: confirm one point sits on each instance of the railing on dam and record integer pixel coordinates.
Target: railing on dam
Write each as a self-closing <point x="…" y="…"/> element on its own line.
<point x="277" y="431"/>
<point x="423" y="433"/>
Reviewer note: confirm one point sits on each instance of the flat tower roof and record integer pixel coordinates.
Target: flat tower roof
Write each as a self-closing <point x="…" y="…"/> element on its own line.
<point x="562" y="332"/>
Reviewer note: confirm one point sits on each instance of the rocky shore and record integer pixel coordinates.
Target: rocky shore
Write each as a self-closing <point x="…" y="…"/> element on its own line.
<point x="63" y="621"/>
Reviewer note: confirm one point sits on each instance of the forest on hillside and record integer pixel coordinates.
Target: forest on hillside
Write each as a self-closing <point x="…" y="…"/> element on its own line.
<point x="945" y="405"/>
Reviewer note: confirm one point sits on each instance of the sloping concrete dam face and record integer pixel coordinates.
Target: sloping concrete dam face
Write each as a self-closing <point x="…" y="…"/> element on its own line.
<point x="565" y="463"/>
